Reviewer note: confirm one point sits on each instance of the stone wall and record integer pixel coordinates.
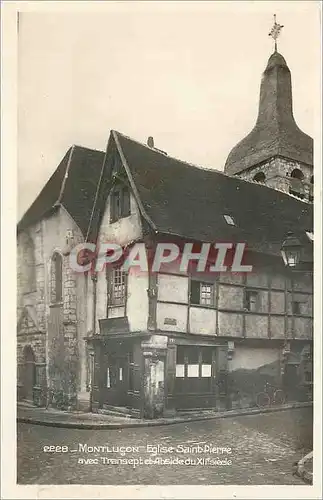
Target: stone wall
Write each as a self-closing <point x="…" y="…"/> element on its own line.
<point x="249" y="370"/>
<point x="278" y="171"/>
<point x="55" y="332"/>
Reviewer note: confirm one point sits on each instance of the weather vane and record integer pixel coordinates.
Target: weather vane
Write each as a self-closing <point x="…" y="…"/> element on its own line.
<point x="275" y="31"/>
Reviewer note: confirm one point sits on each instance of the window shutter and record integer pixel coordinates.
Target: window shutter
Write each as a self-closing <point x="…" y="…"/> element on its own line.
<point x="195" y="292"/>
<point x="115" y="201"/>
<point x="125" y="201"/>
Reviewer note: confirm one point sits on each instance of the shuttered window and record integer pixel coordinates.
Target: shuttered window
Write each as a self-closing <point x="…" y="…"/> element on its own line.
<point x="120" y="203"/>
<point x="202" y="293"/>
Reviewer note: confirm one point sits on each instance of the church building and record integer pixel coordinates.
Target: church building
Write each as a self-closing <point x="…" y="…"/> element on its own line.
<point x="148" y="344"/>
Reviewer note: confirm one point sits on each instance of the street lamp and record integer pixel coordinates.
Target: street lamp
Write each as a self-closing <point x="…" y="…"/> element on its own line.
<point x="291" y="250"/>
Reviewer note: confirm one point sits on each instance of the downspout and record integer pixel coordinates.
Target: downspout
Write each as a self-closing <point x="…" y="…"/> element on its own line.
<point x="94" y="278"/>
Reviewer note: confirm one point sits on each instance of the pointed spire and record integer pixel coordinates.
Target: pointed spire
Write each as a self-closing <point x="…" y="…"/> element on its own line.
<point x="275" y="132"/>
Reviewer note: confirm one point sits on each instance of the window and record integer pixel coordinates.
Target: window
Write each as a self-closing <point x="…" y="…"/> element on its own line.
<point x="296" y="307"/>
<point x="56" y="278"/>
<point x="296" y="187"/>
<point x="194" y="369"/>
<point x="117" y="285"/>
<point x="251" y="300"/>
<point x="202" y="293"/>
<point x="229" y="220"/>
<point x="259" y="177"/>
<point x="120" y="203"/>
<point x="297" y="174"/>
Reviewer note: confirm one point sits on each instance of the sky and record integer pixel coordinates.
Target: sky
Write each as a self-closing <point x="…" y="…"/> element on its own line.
<point x="186" y="73"/>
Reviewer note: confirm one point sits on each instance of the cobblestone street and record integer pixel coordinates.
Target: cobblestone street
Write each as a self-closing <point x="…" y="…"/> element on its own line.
<point x="264" y="448"/>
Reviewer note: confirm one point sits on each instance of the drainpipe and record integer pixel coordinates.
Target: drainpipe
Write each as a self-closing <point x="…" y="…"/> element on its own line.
<point x="94" y="278"/>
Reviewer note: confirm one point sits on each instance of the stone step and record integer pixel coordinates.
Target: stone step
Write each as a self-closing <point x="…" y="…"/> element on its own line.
<point x="112" y="413"/>
<point x="133" y="412"/>
<point x="119" y="411"/>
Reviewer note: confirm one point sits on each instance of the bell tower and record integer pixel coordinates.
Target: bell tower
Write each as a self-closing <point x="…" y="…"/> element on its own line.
<point x="276" y="152"/>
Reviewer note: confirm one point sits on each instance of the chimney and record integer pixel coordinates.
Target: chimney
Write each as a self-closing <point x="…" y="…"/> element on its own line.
<point x="150" y="142"/>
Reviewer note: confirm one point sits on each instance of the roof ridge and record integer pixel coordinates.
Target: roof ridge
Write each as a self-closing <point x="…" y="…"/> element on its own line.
<point x="158" y="151"/>
<point x="87" y="148"/>
<point x="209" y="169"/>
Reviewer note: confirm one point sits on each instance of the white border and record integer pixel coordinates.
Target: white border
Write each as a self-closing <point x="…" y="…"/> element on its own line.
<point x="8" y="283"/>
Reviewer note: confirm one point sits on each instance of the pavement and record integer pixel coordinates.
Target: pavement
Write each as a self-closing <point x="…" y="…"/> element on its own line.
<point x="254" y="449"/>
<point x="85" y="420"/>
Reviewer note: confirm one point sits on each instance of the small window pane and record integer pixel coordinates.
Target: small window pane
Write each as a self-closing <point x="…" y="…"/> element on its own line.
<point x="180" y="372"/>
<point x="206" y="294"/>
<point x="206" y="370"/>
<point x="192" y="371"/>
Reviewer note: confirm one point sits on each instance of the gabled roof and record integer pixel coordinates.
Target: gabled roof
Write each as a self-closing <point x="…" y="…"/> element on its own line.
<point x="174" y="198"/>
<point x="275" y="132"/>
<point x="177" y="198"/>
<point x="73" y="185"/>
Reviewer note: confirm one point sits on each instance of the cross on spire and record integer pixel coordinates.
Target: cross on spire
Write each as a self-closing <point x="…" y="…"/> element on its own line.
<point x="275" y="31"/>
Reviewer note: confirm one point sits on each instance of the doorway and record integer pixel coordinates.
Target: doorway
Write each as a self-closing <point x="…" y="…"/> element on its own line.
<point x="116" y="380"/>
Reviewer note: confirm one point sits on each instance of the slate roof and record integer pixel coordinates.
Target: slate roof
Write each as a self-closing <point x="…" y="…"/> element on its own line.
<point x="180" y="199"/>
<point x="73" y="185"/>
<point x="275" y="132"/>
<point x="175" y="198"/>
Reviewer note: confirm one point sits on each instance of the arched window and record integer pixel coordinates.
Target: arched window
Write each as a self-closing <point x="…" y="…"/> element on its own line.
<point x="296" y="183"/>
<point x="56" y="278"/>
<point x="297" y="174"/>
<point x="259" y="177"/>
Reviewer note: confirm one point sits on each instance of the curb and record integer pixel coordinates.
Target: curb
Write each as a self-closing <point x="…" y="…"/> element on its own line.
<point x="302" y="472"/>
<point x="159" y="422"/>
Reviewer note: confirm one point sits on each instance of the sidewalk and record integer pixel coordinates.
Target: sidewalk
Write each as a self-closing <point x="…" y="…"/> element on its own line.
<point x="80" y="420"/>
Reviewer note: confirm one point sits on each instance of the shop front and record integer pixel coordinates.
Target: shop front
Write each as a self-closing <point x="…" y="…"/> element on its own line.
<point x="157" y="375"/>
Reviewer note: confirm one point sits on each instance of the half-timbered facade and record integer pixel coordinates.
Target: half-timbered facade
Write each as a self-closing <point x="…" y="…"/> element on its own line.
<point x="153" y="343"/>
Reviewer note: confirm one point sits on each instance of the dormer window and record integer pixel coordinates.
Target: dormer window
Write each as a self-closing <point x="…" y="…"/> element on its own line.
<point x="229" y="220"/>
<point x="120" y="203"/>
